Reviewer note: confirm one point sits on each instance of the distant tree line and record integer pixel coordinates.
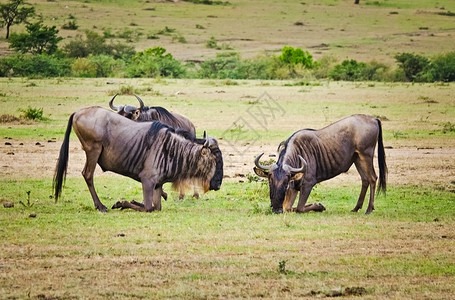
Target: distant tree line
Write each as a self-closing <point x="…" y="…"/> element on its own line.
<point x="37" y="55"/>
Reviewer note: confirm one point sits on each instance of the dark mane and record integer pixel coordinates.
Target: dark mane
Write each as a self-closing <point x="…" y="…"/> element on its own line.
<point x="157" y="126"/>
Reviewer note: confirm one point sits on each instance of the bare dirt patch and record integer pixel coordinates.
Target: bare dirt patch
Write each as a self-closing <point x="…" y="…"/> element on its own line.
<point x="20" y="159"/>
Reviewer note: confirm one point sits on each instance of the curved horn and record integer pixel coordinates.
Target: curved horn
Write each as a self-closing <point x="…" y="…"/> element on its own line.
<point x="111" y="104"/>
<point x="140" y="102"/>
<point x="300" y="169"/>
<point x="206" y="143"/>
<point x="261" y="166"/>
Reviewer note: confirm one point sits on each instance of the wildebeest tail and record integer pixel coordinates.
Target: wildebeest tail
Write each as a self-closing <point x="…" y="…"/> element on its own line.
<point x="382" y="186"/>
<point x="62" y="162"/>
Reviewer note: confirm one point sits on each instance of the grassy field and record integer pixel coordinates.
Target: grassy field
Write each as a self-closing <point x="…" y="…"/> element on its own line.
<point x="227" y="244"/>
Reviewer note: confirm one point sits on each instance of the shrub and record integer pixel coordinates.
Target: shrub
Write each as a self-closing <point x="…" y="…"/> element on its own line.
<point x="95" y="44"/>
<point x="71" y="25"/>
<point x="83" y="67"/>
<point x="211" y="43"/>
<point x="413" y="65"/>
<point x="442" y="68"/>
<point x="223" y="66"/>
<point x="154" y="62"/>
<point x="349" y="70"/>
<point x="31" y="113"/>
<point x="96" y="66"/>
<point x="35" y="65"/>
<point x="296" y="56"/>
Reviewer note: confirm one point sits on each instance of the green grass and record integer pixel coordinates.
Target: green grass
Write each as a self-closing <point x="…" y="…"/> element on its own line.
<point x="223" y="240"/>
<point x="228" y="244"/>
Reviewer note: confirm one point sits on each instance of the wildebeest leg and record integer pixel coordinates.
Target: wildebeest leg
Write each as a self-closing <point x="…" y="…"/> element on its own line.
<point x="92" y="156"/>
<point x="365" y="167"/>
<point x="304" y="194"/>
<point x="156" y="199"/>
<point x="137" y="203"/>
<point x="125" y="204"/>
<point x="289" y="199"/>
<point x="149" y="194"/>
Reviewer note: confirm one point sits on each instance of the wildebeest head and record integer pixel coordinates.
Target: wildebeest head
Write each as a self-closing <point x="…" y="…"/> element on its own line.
<point x="281" y="177"/>
<point x="217" y="179"/>
<point x="129" y="111"/>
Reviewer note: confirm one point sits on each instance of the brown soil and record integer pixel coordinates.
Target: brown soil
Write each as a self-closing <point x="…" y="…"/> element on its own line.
<point x="21" y="159"/>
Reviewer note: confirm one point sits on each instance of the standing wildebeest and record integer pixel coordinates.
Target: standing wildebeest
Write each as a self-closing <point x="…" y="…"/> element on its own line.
<point x="151" y="153"/>
<point x="310" y="156"/>
<point x="156" y="113"/>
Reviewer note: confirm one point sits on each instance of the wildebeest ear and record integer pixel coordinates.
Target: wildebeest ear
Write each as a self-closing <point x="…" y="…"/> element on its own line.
<point x="260" y="172"/>
<point x="297" y="176"/>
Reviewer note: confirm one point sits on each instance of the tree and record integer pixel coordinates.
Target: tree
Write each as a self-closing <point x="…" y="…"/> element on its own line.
<point x="14" y="12"/>
<point x="295" y="56"/>
<point x="413" y="65"/>
<point x="39" y="39"/>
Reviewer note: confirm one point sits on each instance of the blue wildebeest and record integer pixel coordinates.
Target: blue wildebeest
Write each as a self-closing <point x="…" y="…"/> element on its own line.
<point x="150" y="152"/>
<point x="149" y="114"/>
<point x="310" y="156"/>
<point x="155" y="113"/>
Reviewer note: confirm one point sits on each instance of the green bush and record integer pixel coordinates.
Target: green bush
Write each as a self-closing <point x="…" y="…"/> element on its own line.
<point x="35" y="65"/>
<point x="442" y="68"/>
<point x="95" y="44"/>
<point x="97" y="66"/>
<point x="352" y="70"/>
<point x="71" y="25"/>
<point x="31" y="113"/>
<point x="413" y="65"/>
<point x="154" y="62"/>
<point x="83" y="67"/>
<point x="349" y="70"/>
<point x="296" y="56"/>
<point x="223" y="66"/>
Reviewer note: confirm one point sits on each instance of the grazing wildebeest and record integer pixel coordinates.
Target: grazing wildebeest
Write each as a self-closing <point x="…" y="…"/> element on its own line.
<point x="150" y="152"/>
<point x="155" y="113"/>
<point x="310" y="156"/>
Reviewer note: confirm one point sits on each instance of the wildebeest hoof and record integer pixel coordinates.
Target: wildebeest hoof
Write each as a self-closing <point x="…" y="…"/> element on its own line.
<point x="118" y="204"/>
<point x="102" y="209"/>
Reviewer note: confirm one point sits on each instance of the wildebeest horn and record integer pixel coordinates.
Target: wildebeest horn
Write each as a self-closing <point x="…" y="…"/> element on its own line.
<point x="300" y="169"/>
<point x="207" y="141"/>
<point x="140" y="102"/>
<point x="111" y="104"/>
<point x="259" y="165"/>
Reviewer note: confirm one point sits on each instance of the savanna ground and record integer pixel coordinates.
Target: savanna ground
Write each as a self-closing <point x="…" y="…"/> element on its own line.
<point x="227" y="244"/>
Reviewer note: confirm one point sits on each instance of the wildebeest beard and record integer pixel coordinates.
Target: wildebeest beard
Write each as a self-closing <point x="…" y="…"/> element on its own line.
<point x="278" y="183"/>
